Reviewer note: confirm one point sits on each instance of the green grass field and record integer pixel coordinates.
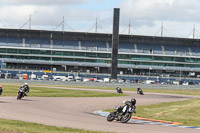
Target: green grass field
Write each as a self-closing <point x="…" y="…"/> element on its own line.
<point x="186" y="112"/>
<point x="167" y="91"/>
<point x="11" y="90"/>
<point x="27" y="127"/>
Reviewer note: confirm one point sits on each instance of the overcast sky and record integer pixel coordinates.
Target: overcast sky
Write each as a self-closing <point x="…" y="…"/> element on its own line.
<point x="146" y="16"/>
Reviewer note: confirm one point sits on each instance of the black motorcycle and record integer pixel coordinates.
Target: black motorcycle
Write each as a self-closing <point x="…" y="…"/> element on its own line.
<point x="119" y="90"/>
<point x="1" y="90"/>
<point x="139" y="91"/>
<point x="21" y="93"/>
<point x="122" y="113"/>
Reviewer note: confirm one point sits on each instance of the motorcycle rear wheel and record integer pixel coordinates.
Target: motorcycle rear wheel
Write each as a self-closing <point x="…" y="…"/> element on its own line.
<point x="111" y="116"/>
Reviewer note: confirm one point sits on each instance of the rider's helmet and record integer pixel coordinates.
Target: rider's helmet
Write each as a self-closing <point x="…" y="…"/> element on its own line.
<point x="25" y="83"/>
<point x="133" y="101"/>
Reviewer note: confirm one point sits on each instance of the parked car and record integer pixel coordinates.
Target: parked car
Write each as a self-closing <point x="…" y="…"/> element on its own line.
<point x="78" y="79"/>
<point x="70" y="78"/>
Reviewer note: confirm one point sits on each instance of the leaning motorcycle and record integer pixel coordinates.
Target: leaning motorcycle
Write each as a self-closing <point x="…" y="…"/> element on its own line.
<point x="1" y="90"/>
<point x="122" y="113"/>
<point x="140" y="92"/>
<point x="21" y="92"/>
<point x="120" y="91"/>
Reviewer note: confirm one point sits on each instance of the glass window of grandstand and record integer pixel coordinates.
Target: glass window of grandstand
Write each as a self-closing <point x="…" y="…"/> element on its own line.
<point x="87" y="60"/>
<point x="2" y="50"/>
<point x="45" y="52"/>
<point x="191" y="65"/>
<point x="198" y="66"/>
<point x="57" y="59"/>
<point x="123" y="62"/>
<point x="146" y="57"/>
<point x="23" y="51"/>
<point x="4" y="56"/>
<point x="22" y="57"/>
<point x="146" y="63"/>
<point x="12" y="50"/>
<point x="169" y="64"/>
<point x="57" y="53"/>
<point x="66" y="53"/>
<point x="124" y="56"/>
<point x="168" y="58"/>
<point x="158" y="58"/>
<point x="68" y="59"/>
<point x="191" y="60"/>
<point x="103" y="55"/>
<point x="198" y="60"/>
<point x="91" y="54"/>
<point x="35" y="51"/>
<point x="33" y="58"/>
<point x="79" y="54"/>
<point x="45" y="58"/>
<point x="179" y="59"/>
<point x="94" y="61"/>
<point x="100" y="61"/>
<point x="159" y="64"/>
<point x="135" y="57"/>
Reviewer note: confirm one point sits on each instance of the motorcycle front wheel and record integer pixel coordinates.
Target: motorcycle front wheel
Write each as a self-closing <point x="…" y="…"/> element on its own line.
<point x="19" y="96"/>
<point x="126" y="117"/>
<point x="111" y="116"/>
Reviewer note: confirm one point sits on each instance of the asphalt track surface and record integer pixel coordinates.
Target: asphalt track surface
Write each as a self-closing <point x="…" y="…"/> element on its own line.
<point x="77" y="112"/>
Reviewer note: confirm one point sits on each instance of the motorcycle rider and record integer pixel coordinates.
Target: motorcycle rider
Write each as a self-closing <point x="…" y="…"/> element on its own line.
<point x="118" y="89"/>
<point x="139" y="91"/>
<point x="130" y="103"/>
<point x="26" y="87"/>
<point x="1" y="90"/>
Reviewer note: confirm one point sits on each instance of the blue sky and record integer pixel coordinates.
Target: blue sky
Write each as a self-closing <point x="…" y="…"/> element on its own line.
<point x="178" y="16"/>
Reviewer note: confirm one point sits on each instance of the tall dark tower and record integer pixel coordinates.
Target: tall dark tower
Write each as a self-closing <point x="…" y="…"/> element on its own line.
<point x="115" y="43"/>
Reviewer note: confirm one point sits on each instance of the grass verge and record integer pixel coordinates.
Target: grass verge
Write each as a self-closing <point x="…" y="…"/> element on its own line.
<point x="186" y="112"/>
<point x="27" y="127"/>
<point x="11" y="90"/>
<point x="167" y="91"/>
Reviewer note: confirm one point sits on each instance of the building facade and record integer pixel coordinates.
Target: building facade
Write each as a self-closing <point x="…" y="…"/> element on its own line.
<point x="91" y="52"/>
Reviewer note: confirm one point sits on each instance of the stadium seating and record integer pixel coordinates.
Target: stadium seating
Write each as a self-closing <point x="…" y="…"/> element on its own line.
<point x="100" y="46"/>
<point x="94" y="46"/>
<point x="126" y="47"/>
<point x="13" y="42"/>
<point x="60" y="44"/>
<point x="149" y="48"/>
<point x="176" y="50"/>
<point x="195" y="51"/>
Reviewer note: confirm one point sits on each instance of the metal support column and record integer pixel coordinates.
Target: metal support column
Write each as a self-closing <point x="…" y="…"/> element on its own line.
<point x="115" y="43"/>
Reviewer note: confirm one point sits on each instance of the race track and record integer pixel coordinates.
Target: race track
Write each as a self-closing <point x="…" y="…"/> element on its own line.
<point x="78" y="112"/>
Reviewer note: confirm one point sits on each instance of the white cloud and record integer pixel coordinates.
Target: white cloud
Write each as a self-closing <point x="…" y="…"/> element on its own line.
<point x="42" y="15"/>
<point x="14" y="13"/>
<point x="178" y="16"/>
<point x="143" y="11"/>
<point x="42" y="2"/>
<point x="146" y="15"/>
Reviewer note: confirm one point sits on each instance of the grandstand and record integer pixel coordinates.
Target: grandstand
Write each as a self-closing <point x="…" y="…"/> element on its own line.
<point x="83" y="52"/>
